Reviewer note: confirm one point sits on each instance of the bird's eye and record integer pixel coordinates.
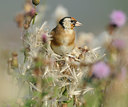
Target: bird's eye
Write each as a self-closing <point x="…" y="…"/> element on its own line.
<point x="72" y="21"/>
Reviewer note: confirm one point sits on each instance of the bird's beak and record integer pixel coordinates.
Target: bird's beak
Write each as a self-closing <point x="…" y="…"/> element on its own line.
<point x="78" y="24"/>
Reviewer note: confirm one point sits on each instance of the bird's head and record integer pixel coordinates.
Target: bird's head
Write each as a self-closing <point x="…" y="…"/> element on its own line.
<point x="69" y="23"/>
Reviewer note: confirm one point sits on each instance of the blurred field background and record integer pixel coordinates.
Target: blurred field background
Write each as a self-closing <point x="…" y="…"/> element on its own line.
<point x="94" y="15"/>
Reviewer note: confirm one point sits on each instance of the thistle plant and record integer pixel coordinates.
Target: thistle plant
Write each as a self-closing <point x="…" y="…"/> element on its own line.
<point x="54" y="80"/>
<point x="51" y="80"/>
<point x="86" y="77"/>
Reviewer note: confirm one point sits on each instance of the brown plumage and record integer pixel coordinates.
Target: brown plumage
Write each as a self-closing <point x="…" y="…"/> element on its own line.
<point x="63" y="36"/>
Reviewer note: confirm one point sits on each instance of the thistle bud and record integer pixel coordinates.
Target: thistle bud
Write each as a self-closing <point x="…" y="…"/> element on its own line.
<point x="35" y="2"/>
<point x="14" y="63"/>
<point x="44" y="38"/>
<point x="27" y="22"/>
<point x="28" y="18"/>
<point x="32" y="12"/>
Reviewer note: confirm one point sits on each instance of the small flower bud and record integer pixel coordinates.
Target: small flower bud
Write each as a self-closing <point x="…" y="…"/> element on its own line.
<point x="32" y="13"/>
<point x="35" y="2"/>
<point x="44" y="38"/>
<point x="14" y="63"/>
<point x="28" y="20"/>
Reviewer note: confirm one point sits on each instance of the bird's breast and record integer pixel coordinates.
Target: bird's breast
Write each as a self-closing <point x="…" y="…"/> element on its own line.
<point x="68" y="37"/>
<point x="62" y="49"/>
<point x="63" y="41"/>
<point x="64" y="38"/>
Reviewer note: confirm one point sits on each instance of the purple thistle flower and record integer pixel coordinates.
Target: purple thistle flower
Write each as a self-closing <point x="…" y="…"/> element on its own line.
<point x="44" y="38"/>
<point x="118" y="18"/>
<point x="101" y="70"/>
<point x="118" y="43"/>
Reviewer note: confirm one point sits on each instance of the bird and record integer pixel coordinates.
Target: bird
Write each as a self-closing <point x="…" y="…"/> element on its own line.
<point x="63" y="36"/>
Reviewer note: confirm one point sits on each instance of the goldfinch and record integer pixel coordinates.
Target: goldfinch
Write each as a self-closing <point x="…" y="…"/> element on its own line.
<point x="63" y="36"/>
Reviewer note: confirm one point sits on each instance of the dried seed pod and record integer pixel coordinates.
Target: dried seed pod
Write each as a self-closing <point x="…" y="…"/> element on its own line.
<point x="27" y="22"/>
<point x="35" y="2"/>
<point x="28" y="18"/>
<point x="14" y="62"/>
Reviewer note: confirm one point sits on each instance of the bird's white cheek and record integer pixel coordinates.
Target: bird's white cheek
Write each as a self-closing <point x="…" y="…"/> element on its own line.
<point x="67" y="25"/>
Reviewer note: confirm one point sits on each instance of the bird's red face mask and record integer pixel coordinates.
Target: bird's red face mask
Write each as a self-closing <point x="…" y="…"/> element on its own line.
<point x="74" y="23"/>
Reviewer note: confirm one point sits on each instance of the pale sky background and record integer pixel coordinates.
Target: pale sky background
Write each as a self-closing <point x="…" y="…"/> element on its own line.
<point x="94" y="14"/>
